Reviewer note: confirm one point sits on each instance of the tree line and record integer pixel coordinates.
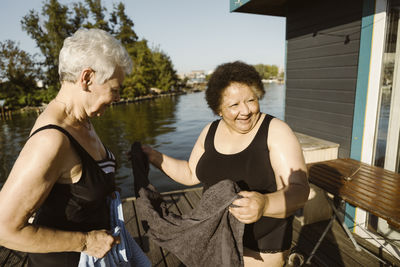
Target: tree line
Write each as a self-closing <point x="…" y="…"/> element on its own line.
<point x="269" y="71"/>
<point x="31" y="80"/>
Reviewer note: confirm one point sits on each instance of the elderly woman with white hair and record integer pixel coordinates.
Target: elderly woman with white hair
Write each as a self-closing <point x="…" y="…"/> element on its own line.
<point x="64" y="173"/>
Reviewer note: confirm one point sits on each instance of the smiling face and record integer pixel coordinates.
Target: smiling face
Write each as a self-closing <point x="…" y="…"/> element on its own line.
<point x="239" y="108"/>
<point x="102" y="95"/>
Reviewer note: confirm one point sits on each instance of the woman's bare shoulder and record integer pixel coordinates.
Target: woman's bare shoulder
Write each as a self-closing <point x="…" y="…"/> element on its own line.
<point x="49" y="139"/>
<point x="280" y="133"/>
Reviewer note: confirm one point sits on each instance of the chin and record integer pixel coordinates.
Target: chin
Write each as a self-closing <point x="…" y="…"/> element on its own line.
<point x="245" y="128"/>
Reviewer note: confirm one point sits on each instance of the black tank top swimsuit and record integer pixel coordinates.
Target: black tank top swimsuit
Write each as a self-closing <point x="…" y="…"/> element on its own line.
<point x="80" y="206"/>
<point x="251" y="170"/>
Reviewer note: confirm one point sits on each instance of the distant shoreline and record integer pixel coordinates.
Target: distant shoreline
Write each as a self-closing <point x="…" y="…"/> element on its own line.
<point x="39" y="109"/>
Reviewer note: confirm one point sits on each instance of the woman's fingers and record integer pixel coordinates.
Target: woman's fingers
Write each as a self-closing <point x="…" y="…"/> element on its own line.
<point x="249" y="208"/>
<point x="99" y="242"/>
<point x="242" y="216"/>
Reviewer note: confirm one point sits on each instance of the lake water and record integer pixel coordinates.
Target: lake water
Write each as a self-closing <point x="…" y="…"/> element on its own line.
<point x="171" y="124"/>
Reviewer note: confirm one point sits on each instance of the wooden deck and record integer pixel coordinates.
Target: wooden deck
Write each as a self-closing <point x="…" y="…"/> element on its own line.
<point x="335" y="250"/>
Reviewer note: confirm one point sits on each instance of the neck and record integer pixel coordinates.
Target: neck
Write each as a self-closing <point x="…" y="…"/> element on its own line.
<point x="73" y="113"/>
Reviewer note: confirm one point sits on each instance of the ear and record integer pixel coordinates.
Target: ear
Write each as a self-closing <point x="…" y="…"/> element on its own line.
<point x="87" y="75"/>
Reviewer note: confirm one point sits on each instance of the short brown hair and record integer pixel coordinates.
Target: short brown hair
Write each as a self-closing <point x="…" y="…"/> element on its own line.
<point x="228" y="73"/>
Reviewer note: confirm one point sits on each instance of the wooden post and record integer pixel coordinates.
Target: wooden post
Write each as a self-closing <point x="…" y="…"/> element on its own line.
<point x="2" y="113"/>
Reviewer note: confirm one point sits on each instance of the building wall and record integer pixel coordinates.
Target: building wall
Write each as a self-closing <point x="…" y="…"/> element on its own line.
<point x="323" y="42"/>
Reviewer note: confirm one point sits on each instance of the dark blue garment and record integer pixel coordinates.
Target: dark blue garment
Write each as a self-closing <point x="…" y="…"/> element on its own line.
<point x="125" y="254"/>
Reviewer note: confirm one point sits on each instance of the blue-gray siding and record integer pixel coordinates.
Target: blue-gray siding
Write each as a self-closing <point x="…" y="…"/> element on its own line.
<point x="323" y="41"/>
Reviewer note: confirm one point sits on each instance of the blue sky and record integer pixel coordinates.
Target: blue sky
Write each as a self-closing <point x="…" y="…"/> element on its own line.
<point x="197" y="35"/>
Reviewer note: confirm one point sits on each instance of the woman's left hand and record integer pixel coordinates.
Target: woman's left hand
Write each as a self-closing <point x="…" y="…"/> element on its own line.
<point x="249" y="208"/>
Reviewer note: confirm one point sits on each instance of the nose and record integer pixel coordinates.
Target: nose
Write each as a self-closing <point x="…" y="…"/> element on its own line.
<point x="244" y="109"/>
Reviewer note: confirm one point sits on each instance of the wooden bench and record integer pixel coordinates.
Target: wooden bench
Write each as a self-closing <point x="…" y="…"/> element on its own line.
<point x="370" y="188"/>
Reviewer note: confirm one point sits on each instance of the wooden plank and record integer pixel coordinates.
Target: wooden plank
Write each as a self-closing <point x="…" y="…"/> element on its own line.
<point x="363" y="190"/>
<point x="131" y="221"/>
<point x="335" y="250"/>
<point x="328" y="84"/>
<point x="199" y="193"/>
<point x="317" y="72"/>
<point x="182" y="203"/>
<point x="324" y="62"/>
<point x="336" y="131"/>
<point x="331" y="49"/>
<point x="320" y="116"/>
<point x="327" y="106"/>
<point x="192" y="198"/>
<point x="377" y="251"/>
<point x="323" y="95"/>
<point x="152" y="250"/>
<point x="170" y="258"/>
<point x="305" y="241"/>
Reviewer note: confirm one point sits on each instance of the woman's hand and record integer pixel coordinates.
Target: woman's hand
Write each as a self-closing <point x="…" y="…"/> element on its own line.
<point x="99" y="242"/>
<point x="155" y="157"/>
<point x="250" y="207"/>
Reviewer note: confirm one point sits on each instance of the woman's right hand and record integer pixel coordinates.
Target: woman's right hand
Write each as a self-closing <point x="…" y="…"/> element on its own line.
<point x="147" y="150"/>
<point x="154" y="156"/>
<point x="99" y="242"/>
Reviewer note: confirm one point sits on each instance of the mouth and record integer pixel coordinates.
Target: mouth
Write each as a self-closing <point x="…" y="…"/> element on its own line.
<point x="244" y="119"/>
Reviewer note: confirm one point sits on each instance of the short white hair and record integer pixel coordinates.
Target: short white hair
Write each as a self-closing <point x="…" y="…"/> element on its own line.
<point x="95" y="49"/>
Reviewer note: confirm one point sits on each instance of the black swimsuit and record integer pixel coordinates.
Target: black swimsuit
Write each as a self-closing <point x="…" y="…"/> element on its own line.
<point x="251" y="169"/>
<point x="80" y="206"/>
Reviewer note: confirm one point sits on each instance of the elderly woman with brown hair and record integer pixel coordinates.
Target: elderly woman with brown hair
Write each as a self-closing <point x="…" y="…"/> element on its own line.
<point x="257" y="151"/>
<point x="64" y="173"/>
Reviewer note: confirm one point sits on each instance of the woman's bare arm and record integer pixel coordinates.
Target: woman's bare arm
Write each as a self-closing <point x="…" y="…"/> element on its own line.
<point x="181" y="171"/>
<point x="291" y="175"/>
<point x="37" y="168"/>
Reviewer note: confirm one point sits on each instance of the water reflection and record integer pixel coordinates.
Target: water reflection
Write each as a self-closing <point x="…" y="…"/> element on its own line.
<point x="171" y="124"/>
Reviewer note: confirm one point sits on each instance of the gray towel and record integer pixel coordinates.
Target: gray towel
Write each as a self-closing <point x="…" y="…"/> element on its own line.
<point x="207" y="236"/>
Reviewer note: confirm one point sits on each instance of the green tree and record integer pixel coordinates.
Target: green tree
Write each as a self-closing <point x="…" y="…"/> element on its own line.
<point x="122" y="26"/>
<point x="273" y="71"/>
<point x="97" y="11"/>
<point x="49" y="37"/>
<point x="267" y="71"/>
<point x="19" y="74"/>
<point x="261" y="69"/>
<point x="58" y="21"/>
<point x="166" y="77"/>
<point x="144" y="75"/>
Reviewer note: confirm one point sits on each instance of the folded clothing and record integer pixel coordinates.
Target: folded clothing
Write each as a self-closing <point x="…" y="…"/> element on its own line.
<point x="125" y="254"/>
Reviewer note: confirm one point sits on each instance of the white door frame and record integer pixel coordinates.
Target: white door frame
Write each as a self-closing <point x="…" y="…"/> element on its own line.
<point x="371" y="114"/>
